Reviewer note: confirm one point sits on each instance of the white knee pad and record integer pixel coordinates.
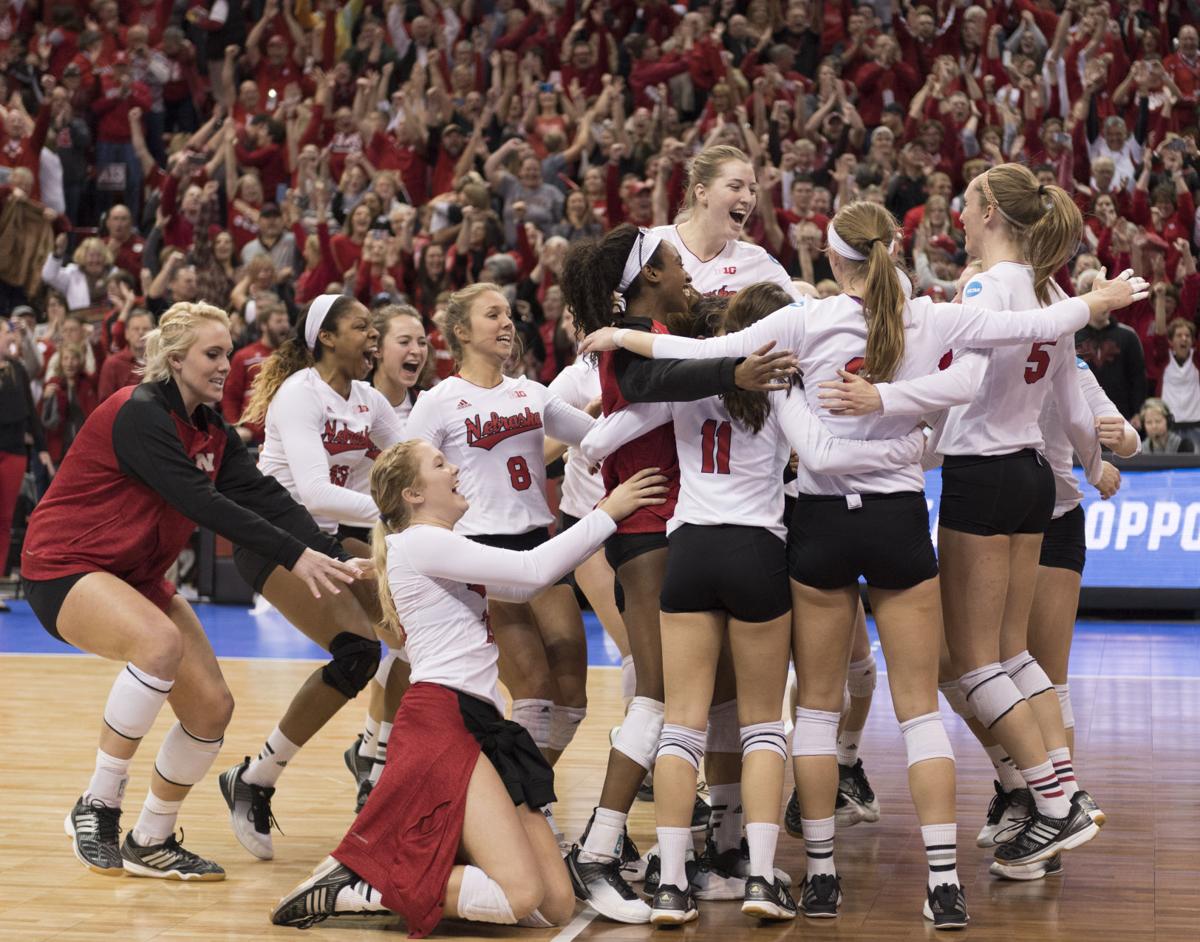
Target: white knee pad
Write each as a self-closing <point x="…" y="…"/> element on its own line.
<point x="535" y="716"/>
<point x="925" y="738"/>
<point x="638" y="735"/>
<point x="1064" y="702"/>
<point x="682" y="742"/>
<point x="767" y="737"/>
<point x="990" y="693"/>
<point x="815" y="733"/>
<point x="184" y="759"/>
<point x="723" y="728"/>
<point x="860" y="680"/>
<point x="385" y="667"/>
<point x="1027" y="674"/>
<point x="564" y="722"/>
<point x="957" y="699"/>
<point x="134" y="702"/>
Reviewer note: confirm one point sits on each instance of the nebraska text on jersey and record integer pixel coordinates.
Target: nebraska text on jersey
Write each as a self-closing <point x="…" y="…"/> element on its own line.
<point x="487" y="434"/>
<point x="340" y="440"/>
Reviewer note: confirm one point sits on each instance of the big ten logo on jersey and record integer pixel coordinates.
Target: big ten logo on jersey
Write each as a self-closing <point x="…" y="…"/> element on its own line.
<point x="339" y="474"/>
<point x="206" y="461"/>
<point x="338" y="439"/>
<point x="485" y="617"/>
<point x="729" y="270"/>
<point x="488" y="433"/>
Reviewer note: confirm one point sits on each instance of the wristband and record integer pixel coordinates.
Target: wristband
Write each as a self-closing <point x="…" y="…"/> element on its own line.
<point x="619" y="336"/>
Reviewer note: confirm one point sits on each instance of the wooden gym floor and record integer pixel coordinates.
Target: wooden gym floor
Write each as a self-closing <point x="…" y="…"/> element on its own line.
<point x="1138" y="752"/>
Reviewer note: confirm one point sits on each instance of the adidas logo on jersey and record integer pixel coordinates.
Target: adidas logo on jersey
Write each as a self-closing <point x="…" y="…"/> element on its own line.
<point x="487" y="434"/>
<point x="463" y="404"/>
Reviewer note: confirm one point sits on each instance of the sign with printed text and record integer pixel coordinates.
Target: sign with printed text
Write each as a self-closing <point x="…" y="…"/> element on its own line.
<point x="1148" y="535"/>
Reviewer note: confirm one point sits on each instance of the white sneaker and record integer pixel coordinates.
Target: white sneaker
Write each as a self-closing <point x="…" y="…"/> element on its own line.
<point x="249" y="810"/>
<point x="600" y="885"/>
<point x="1007" y="814"/>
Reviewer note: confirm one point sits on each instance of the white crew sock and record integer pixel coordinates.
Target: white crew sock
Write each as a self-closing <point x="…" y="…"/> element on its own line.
<point x="762" y="839"/>
<point x="157" y="820"/>
<point x="272" y="759"/>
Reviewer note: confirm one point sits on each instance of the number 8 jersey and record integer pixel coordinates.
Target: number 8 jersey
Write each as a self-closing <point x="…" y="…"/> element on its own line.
<point x="496" y="438"/>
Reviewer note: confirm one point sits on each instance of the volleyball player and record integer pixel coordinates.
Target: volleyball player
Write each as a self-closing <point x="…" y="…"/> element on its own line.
<point x="646" y="275"/>
<point x="578" y="385"/>
<point x="151" y="463"/>
<point x="494" y="427"/>
<point x="998" y="496"/>
<point x="726" y="582"/>
<point x="450" y="831"/>
<point x="872" y="525"/>
<point x="403" y="356"/>
<point x="324" y="426"/>
<point x="720" y="198"/>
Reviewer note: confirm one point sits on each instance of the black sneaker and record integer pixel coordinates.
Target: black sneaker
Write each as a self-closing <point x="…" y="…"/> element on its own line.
<point x="249" y="811"/>
<point x="1043" y="837"/>
<point x="673" y="906"/>
<point x="946" y="907"/>
<point x="364" y="792"/>
<point x="93" y="828"/>
<point x="1088" y="804"/>
<point x="701" y="814"/>
<point x="653" y="872"/>
<point x="317" y="898"/>
<point x="792" y="818"/>
<point x="821" y="895"/>
<point x="599" y="883"/>
<point x="169" y="860"/>
<point x="359" y="765"/>
<point x="856" y="801"/>
<point x="768" y="900"/>
<point x="634" y="866"/>
<point x="1007" y="814"/>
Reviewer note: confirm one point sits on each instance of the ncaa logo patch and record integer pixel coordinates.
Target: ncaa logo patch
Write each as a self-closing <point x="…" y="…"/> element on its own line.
<point x="972" y="289"/>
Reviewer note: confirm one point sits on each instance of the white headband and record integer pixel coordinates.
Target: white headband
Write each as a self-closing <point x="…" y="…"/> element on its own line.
<point x="642" y="250"/>
<point x="317" y="312"/>
<point x="842" y="247"/>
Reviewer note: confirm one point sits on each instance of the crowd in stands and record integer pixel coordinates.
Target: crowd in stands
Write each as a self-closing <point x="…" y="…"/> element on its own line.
<point x="257" y="154"/>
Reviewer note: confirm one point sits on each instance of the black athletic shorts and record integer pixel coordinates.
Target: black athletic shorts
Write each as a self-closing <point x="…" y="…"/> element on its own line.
<point x="362" y="534"/>
<point x="620" y="548"/>
<point x="1065" y="546"/>
<point x="568" y="521"/>
<point x="739" y="570"/>
<point x="789" y="507"/>
<point x="997" y="495"/>
<point x="885" y="540"/>
<point x="509" y="747"/>
<point x="255" y="569"/>
<point x="46" y="597"/>
<point x="521" y="542"/>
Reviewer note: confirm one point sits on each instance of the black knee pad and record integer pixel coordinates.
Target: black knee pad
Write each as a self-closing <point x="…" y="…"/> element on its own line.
<point x="355" y="661"/>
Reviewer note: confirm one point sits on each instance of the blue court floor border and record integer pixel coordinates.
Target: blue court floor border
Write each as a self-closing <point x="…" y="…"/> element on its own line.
<point x="1101" y="648"/>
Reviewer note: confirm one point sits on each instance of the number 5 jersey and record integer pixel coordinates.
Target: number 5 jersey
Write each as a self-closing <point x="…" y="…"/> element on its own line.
<point x="496" y="436"/>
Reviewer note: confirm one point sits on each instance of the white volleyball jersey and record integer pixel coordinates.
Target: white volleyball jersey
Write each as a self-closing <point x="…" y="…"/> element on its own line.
<point x="1003" y="415"/>
<point x="730" y="475"/>
<point x="321" y="446"/>
<point x="403" y="411"/>
<point x="496" y="437"/>
<point x="738" y="265"/>
<point x="1062" y="432"/>
<point x="831" y="334"/>
<point x="440" y="582"/>
<point x="1181" y="388"/>
<point x="577" y="385"/>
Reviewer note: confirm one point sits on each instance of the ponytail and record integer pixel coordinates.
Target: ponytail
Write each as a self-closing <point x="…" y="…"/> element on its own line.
<point x="883" y="304"/>
<point x="396" y="469"/>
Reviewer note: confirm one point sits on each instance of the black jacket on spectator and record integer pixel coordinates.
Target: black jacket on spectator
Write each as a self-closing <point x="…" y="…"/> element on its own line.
<point x="18" y="412"/>
<point x="1115" y="355"/>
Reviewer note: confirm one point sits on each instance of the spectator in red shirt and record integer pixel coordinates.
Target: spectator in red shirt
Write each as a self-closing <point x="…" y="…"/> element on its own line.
<point x="114" y="148"/>
<point x="276" y="328"/>
<point x="121" y="368"/>
<point x="123" y="241"/>
<point x="263" y="146"/>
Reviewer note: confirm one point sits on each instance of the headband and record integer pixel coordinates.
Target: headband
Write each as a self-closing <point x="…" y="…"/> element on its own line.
<point x="842" y="247"/>
<point x="317" y="312"/>
<point x="987" y="193"/>
<point x="642" y="250"/>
